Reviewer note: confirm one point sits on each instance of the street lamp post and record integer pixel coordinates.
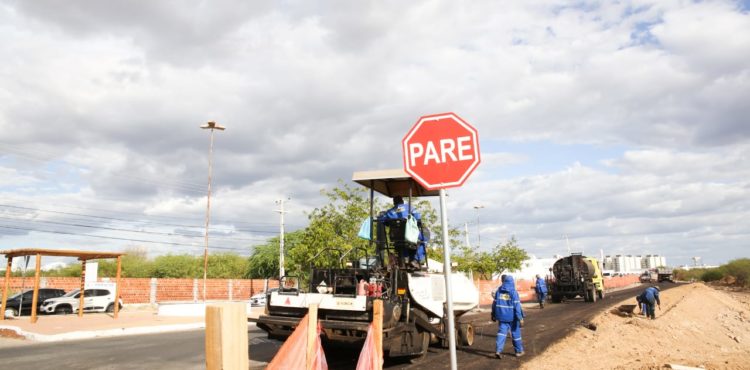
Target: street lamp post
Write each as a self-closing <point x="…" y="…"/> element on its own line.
<point x="281" y="211"/>
<point x="211" y="125"/>
<point x="479" y="236"/>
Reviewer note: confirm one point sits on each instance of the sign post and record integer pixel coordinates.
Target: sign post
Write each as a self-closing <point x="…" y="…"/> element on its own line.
<point x="441" y="151"/>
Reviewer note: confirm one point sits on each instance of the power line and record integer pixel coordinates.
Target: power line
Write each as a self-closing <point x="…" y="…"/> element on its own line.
<point x="126" y="230"/>
<point x="141" y="215"/>
<point x="114" y="238"/>
<point x="126" y="220"/>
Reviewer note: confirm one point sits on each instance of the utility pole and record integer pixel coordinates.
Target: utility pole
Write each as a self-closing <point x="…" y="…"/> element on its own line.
<point x="281" y="211"/>
<point x="466" y="232"/>
<point x="567" y="242"/>
<point x="479" y="236"/>
<point x="212" y="126"/>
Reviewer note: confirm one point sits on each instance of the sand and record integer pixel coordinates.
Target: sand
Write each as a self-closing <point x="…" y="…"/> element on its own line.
<point x="697" y="326"/>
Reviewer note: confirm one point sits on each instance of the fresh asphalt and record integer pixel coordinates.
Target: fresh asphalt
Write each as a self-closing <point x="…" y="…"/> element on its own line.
<point x="185" y="350"/>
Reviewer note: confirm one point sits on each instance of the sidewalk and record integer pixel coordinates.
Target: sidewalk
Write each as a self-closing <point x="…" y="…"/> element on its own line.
<point x="53" y="328"/>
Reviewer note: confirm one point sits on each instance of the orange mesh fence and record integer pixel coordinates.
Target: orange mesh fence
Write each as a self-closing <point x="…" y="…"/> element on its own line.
<point x="293" y="354"/>
<point x="368" y="358"/>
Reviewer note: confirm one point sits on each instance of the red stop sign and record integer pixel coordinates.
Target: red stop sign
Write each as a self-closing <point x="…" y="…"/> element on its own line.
<point x="441" y="151"/>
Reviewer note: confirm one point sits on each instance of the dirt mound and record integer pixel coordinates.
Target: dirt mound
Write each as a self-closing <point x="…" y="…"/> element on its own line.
<point x="697" y="326"/>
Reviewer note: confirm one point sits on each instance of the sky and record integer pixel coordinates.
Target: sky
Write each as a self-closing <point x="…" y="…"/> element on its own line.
<point x="621" y="127"/>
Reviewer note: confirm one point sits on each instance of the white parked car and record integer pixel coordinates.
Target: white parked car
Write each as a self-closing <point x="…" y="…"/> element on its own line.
<point x="94" y="300"/>
<point x="260" y="298"/>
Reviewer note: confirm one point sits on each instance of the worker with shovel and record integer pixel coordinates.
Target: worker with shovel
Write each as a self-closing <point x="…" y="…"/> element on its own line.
<point x="650" y="297"/>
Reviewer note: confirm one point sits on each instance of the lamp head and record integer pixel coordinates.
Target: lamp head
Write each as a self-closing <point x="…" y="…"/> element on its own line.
<point x="213" y="126"/>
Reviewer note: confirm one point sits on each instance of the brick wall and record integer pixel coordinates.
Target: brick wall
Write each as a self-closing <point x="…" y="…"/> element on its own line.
<point x="134" y="290"/>
<point x="168" y="290"/>
<point x="487" y="287"/>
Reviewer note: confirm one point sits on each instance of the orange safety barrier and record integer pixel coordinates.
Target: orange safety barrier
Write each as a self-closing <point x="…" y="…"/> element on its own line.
<point x="293" y="354"/>
<point x="368" y="358"/>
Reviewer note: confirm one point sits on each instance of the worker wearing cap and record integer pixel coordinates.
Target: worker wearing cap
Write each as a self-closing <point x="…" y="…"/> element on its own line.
<point x="650" y="297"/>
<point x="506" y="309"/>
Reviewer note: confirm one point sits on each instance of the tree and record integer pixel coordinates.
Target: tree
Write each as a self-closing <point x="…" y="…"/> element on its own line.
<point x="178" y="266"/>
<point x="135" y="264"/>
<point x="332" y="230"/>
<point x="431" y="219"/>
<point x="264" y="261"/>
<point x="508" y="256"/>
<point x="484" y="264"/>
<point x="226" y="266"/>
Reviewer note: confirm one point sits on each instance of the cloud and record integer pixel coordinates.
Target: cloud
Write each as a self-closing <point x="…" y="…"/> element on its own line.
<point x="676" y="200"/>
<point x="102" y="105"/>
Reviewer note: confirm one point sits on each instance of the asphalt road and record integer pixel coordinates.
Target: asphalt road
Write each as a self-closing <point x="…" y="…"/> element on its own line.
<point x="178" y="351"/>
<point x="185" y="350"/>
<point x="543" y="327"/>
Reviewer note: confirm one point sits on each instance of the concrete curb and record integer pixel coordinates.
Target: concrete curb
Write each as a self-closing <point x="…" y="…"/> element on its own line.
<point x="77" y="335"/>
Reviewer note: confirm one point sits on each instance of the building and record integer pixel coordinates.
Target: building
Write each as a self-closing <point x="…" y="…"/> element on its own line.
<point x="630" y="264"/>
<point x="531" y="267"/>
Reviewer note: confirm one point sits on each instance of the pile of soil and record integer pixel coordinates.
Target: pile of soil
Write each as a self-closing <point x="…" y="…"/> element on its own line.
<point x="697" y="326"/>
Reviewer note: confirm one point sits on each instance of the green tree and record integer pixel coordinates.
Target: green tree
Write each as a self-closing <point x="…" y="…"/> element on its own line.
<point x="333" y="226"/>
<point x="72" y="270"/>
<point x="264" y="261"/>
<point x="484" y="265"/>
<point x="135" y="264"/>
<point x="178" y="266"/>
<point x="508" y="256"/>
<point x="225" y="266"/>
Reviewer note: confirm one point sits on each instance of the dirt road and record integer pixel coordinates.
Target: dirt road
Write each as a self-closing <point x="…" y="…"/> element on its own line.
<point x="698" y="326"/>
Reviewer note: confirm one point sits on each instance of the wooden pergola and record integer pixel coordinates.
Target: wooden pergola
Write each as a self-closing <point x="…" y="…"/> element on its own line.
<point x="82" y="256"/>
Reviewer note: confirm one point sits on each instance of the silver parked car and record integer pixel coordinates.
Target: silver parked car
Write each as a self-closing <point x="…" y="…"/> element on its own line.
<point x="260" y="298"/>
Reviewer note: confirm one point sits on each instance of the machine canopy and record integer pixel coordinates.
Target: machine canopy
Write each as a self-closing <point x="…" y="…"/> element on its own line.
<point x="392" y="183"/>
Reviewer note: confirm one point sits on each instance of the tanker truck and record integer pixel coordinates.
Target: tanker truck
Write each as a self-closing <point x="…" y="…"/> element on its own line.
<point x="576" y="275"/>
<point x="414" y="299"/>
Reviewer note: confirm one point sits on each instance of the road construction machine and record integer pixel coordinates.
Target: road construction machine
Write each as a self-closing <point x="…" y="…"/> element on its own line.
<point x="576" y="275"/>
<point x="414" y="298"/>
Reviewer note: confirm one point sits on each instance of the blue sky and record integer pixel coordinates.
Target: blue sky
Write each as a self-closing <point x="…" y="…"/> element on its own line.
<point x="545" y="156"/>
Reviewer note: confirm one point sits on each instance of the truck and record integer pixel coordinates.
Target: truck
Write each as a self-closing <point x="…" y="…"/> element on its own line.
<point x="663" y="274"/>
<point x="414" y="299"/>
<point x="576" y="275"/>
<point x="648" y="276"/>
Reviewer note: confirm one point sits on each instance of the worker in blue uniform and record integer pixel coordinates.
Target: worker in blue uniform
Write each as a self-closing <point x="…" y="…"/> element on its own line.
<point x="506" y="309"/>
<point x="650" y="297"/>
<point x="541" y="290"/>
<point x="401" y="211"/>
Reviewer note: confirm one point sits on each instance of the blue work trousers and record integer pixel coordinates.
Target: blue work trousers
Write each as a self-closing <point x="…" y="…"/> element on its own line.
<point x="651" y="310"/>
<point x="415" y="254"/>
<point x="540" y="297"/>
<point x="515" y="332"/>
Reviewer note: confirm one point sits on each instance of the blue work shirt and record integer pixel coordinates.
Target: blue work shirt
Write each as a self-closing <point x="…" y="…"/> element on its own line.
<point x="399" y="212"/>
<point x="650" y="295"/>
<point x="507" y="304"/>
<point x="541" y="286"/>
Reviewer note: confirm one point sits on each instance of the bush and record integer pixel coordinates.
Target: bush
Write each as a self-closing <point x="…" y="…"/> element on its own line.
<point x="688" y="275"/>
<point x="712" y="275"/>
<point x="739" y="269"/>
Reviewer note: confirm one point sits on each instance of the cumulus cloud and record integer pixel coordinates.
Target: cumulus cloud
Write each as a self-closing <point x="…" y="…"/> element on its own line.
<point x="102" y="104"/>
